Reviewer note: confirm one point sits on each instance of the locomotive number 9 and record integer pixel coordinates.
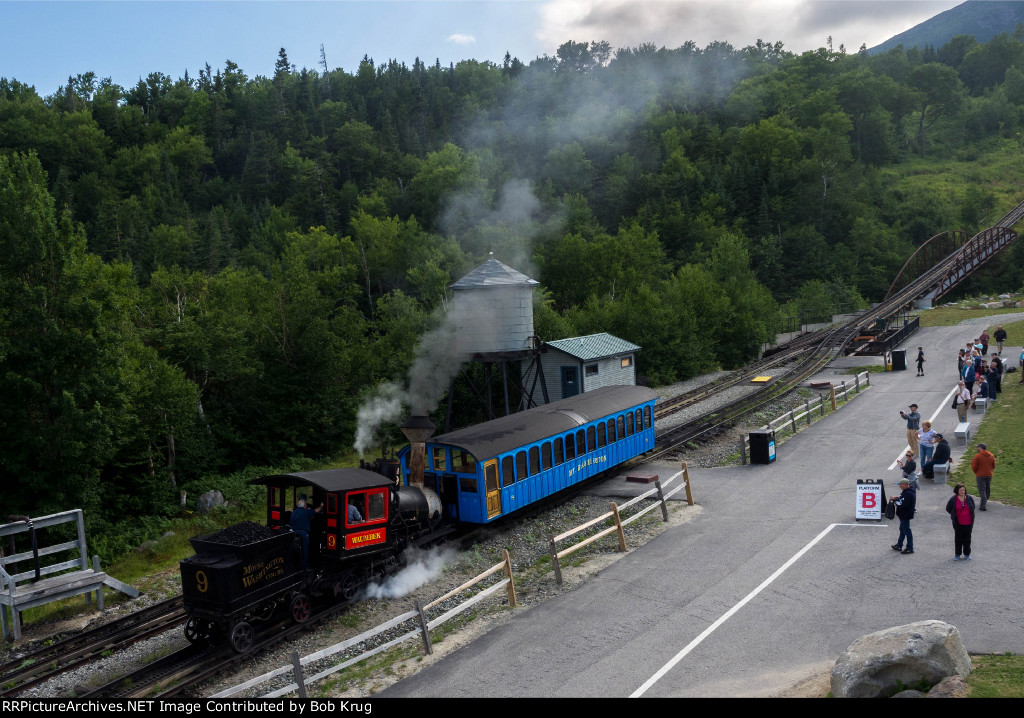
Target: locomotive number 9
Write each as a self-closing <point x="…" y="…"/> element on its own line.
<point x="202" y="583"/>
<point x="332" y="541"/>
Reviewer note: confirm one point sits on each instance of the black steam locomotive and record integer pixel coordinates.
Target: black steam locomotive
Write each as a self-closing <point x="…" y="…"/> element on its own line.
<point x="249" y="573"/>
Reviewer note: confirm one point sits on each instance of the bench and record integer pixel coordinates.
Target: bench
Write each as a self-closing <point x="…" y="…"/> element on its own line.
<point x="963" y="431"/>
<point x="942" y="469"/>
<point x="46" y="581"/>
<point x="981" y="404"/>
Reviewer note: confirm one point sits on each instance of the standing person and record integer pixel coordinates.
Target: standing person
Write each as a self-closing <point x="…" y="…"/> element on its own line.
<point x="941" y="456"/>
<point x="995" y="377"/>
<point x="301" y="522"/>
<point x="1000" y="337"/>
<point x="909" y="467"/>
<point x="960" y="359"/>
<point x="983" y="465"/>
<point x="913" y="424"/>
<point x="1021" y="362"/>
<point x="963" y="400"/>
<point x="926" y="438"/>
<point x="983" y="339"/>
<point x="920" y="361"/>
<point x="906" y="502"/>
<point x="969" y="375"/>
<point x="960" y="508"/>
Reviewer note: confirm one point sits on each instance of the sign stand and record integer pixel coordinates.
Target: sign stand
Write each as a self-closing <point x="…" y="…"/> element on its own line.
<point x="870" y="500"/>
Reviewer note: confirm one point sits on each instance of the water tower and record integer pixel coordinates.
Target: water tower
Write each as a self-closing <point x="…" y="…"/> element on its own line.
<point x="492" y="311"/>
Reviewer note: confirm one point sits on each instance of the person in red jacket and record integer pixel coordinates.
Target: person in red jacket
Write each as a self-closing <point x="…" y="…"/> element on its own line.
<point x="983" y="465"/>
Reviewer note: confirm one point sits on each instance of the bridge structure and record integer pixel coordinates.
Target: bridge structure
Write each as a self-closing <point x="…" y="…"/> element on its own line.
<point x="946" y="259"/>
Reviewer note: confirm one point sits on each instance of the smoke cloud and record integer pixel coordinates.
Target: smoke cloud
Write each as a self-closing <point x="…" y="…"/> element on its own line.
<point x="421" y="568"/>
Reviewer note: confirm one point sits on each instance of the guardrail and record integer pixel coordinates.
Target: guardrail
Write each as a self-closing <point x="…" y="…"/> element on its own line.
<point x="617" y="521"/>
<point x="423" y="631"/>
<point x="788" y="423"/>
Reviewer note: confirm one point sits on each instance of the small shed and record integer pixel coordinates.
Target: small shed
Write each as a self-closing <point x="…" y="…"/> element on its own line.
<point x="579" y="364"/>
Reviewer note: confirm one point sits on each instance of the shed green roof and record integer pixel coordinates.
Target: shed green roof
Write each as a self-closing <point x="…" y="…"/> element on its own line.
<point x="593" y="346"/>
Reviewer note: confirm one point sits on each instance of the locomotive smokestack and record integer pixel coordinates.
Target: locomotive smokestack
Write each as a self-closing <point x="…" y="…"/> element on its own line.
<point x="417" y="430"/>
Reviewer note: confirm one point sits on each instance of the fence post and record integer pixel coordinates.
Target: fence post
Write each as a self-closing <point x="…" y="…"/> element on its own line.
<point x="743" y="450"/>
<point x="300" y="679"/>
<point x="792" y="419"/>
<point x="99" y="591"/>
<point x="846" y="397"/>
<point x="423" y="628"/>
<point x="618" y="527"/>
<point x="511" y="588"/>
<point x="554" y="559"/>
<point x="832" y="396"/>
<point x="661" y="498"/>
<point x="867" y="378"/>
<point x="807" y="409"/>
<point x="686" y="477"/>
<point x="856" y="384"/>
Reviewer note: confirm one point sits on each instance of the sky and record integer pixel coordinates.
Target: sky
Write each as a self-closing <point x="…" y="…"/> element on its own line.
<point x="43" y="42"/>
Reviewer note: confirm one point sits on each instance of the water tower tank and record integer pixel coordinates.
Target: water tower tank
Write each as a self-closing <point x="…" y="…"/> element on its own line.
<point x="492" y="307"/>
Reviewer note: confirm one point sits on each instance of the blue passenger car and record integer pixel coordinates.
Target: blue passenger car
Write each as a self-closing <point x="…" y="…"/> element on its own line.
<point x="486" y="471"/>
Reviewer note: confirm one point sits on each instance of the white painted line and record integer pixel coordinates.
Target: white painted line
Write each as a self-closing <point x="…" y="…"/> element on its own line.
<point x="728" y="614"/>
<point x="945" y="402"/>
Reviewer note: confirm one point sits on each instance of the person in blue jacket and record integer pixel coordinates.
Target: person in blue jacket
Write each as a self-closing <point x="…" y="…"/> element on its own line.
<point x="301" y="522"/>
<point x="906" y="503"/>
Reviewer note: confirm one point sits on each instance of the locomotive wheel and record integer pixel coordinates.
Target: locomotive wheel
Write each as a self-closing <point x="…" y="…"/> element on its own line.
<point x="196" y="629"/>
<point x="242" y="637"/>
<point x="348" y="586"/>
<point x="302" y="608"/>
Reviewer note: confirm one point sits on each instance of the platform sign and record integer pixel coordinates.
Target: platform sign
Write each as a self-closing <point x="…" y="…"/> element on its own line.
<point x="870" y="500"/>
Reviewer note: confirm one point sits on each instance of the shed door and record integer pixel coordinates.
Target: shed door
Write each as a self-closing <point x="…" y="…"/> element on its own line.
<point x="570" y="381"/>
<point x="492" y="488"/>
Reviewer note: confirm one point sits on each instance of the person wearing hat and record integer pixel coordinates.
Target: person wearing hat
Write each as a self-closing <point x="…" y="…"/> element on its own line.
<point x="940" y="456"/>
<point x="983" y="465"/>
<point x="913" y="424"/>
<point x="301" y="522"/>
<point x="906" y="502"/>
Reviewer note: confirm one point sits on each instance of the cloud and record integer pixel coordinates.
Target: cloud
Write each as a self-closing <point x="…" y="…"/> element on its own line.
<point x="461" y="39"/>
<point x="799" y="24"/>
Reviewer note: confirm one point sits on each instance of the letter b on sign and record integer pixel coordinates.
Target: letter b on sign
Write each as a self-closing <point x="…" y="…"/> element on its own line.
<point x="867" y="500"/>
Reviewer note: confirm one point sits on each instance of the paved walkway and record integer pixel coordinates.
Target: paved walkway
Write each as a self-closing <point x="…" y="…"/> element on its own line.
<point x="773" y="578"/>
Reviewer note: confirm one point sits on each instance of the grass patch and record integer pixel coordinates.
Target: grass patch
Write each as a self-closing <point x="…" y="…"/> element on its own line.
<point x="951" y="316"/>
<point x="996" y="677"/>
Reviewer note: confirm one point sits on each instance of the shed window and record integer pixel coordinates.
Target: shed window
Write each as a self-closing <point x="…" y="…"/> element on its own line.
<point x="626" y="362"/>
<point x="559" y="454"/>
<point x="534" y="460"/>
<point x="590" y="370"/>
<point x="545" y="453"/>
<point x="570" y="447"/>
<point x="439" y="459"/>
<point x="508" y="471"/>
<point x="521" y="465"/>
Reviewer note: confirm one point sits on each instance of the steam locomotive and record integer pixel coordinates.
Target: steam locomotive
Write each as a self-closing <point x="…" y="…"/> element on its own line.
<point x="366" y="517"/>
<point x="247" y="574"/>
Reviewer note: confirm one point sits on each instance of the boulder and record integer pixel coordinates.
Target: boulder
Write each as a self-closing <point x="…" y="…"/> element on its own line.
<point x="883" y="663"/>
<point x="1008" y="304"/>
<point x="209" y="501"/>
<point x="951" y="687"/>
<point x="910" y="693"/>
<point x="1019" y="304"/>
<point x="1004" y="296"/>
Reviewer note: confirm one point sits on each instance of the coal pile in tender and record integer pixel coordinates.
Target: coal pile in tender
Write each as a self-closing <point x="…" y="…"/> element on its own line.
<point x="241" y="534"/>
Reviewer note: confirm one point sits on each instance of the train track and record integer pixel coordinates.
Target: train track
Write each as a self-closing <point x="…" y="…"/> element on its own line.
<point x="49" y="661"/>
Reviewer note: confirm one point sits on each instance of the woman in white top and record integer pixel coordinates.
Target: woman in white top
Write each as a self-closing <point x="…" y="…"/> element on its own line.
<point x="926" y="437"/>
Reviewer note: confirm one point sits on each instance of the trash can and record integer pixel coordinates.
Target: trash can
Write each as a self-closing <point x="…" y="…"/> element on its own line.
<point x="762" y="447"/>
<point x="899" y="359"/>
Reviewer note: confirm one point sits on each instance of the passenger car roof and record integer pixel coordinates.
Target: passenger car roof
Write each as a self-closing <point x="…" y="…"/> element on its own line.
<point x="331" y="480"/>
<point x="511" y="432"/>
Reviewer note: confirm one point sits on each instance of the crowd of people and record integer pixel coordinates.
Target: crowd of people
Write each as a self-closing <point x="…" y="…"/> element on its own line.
<point x="979" y="377"/>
